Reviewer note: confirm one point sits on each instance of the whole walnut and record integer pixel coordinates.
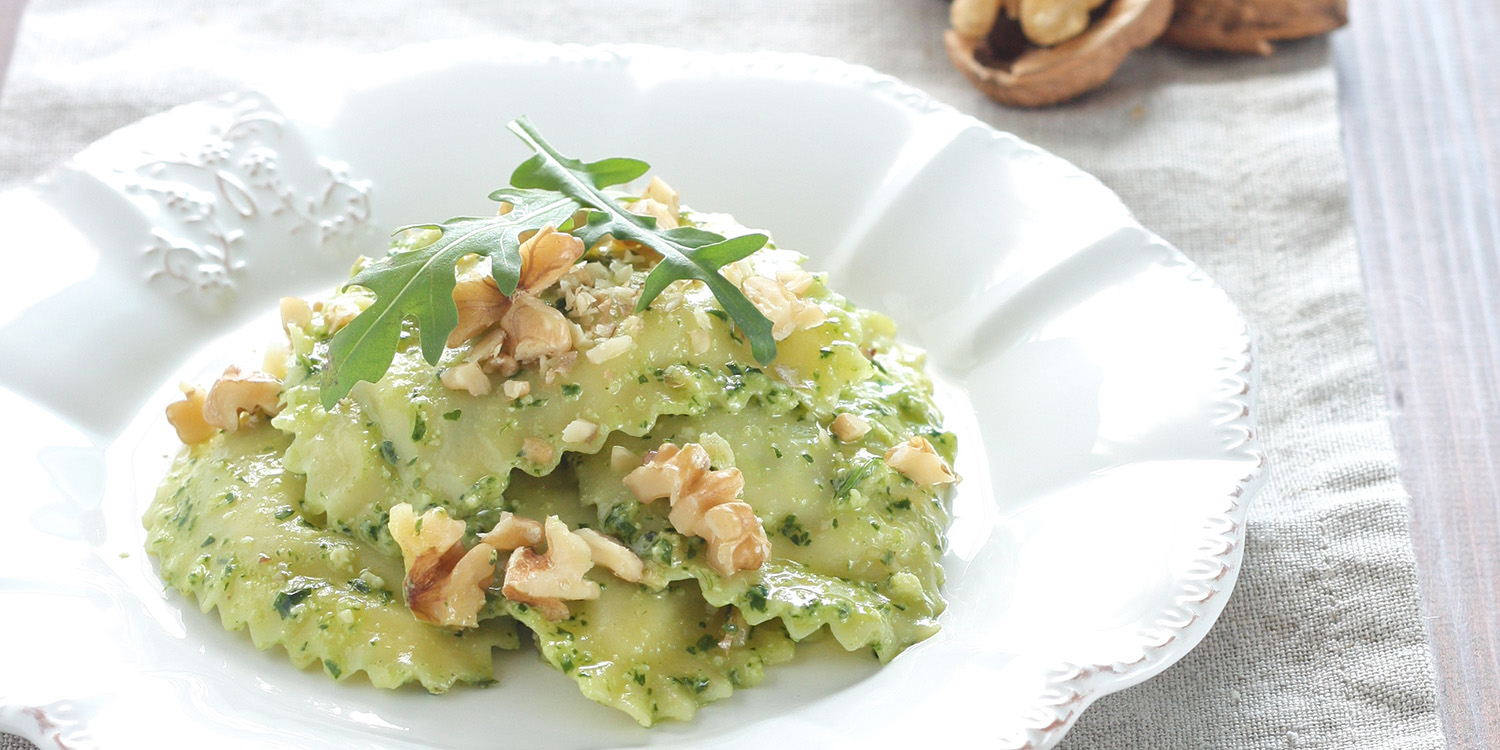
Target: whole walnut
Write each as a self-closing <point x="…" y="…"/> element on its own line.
<point x="1032" y="53"/>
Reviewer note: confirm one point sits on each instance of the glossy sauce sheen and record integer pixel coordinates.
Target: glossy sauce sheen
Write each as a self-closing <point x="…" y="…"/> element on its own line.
<point x="301" y="554"/>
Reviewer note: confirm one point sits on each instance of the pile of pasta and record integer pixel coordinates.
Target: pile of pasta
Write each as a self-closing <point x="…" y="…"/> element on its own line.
<point x="299" y="526"/>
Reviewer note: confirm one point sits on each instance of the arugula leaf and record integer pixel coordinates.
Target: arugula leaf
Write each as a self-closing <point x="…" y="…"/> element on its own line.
<point x="418" y="283"/>
<point x="548" y="188"/>
<point x="687" y="252"/>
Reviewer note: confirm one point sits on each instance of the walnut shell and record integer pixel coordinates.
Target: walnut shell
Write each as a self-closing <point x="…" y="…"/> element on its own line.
<point x="1251" y="25"/>
<point x="1040" y="76"/>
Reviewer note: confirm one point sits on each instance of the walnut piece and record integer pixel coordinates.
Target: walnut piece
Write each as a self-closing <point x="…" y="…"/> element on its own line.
<point x="701" y="340"/>
<point x="444" y="584"/>
<point x="480" y="305"/>
<point x="466" y="377"/>
<point x="1043" y="22"/>
<point x="1050" y="22"/>
<point x="342" y="309"/>
<point x="660" y="202"/>
<point x="513" y="531"/>
<point x="535" y="329"/>
<point x="974" y="18"/>
<point x="1024" y="72"/>
<point x="464" y="591"/>
<point x="537" y="451"/>
<point x="1251" y="25"/>
<point x="546" y="257"/>
<point x="736" y="537"/>
<point x="488" y="351"/>
<point x="545" y="580"/>
<point x="786" y="311"/>
<point x="622" y="460"/>
<point x="515" y="389"/>
<point x="613" y="556"/>
<point x="659" y="191"/>
<point x="610" y="348"/>
<point x="919" y="461"/>
<point x="579" y="431"/>
<point x="849" y="427"/>
<point x="186" y="416"/>
<point x="237" y="393"/>
<point x="295" y="312"/>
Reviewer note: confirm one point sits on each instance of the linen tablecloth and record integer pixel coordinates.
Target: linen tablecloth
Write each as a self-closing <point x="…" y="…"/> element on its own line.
<point x="1235" y="160"/>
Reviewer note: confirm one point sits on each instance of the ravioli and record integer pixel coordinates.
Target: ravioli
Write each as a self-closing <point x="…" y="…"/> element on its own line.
<point x="284" y="524"/>
<point x="229" y="527"/>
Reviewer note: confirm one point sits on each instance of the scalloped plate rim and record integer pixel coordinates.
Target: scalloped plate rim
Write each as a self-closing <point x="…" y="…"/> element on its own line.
<point x="1075" y="686"/>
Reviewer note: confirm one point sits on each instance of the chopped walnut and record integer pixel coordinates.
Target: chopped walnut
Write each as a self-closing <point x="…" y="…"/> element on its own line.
<point x="796" y="280"/>
<point x="513" y="531"/>
<point x="537" y="451"/>
<point x="579" y="431"/>
<point x="849" y="427"/>
<point x="546" y="257"/>
<point x="186" y="416"/>
<point x="665" y="217"/>
<point x="343" y="309"/>
<point x="434" y="533"/>
<point x="700" y="340"/>
<point x="488" y="351"/>
<point x="786" y="310"/>
<point x="555" y="367"/>
<point x="613" y="556"/>
<point x="737" y="271"/>
<point x="544" y="581"/>
<point x="659" y="191"/>
<point x="238" y="393"/>
<point x="610" y="348"/>
<point x="535" y="329"/>
<point x="466" y="377"/>
<point x="464" y="591"/>
<point x="919" y="461"/>
<point x="622" y="460"/>
<point x="444" y="584"/>
<point x="659" y="201"/>
<point x="736" y="537"/>
<point x="657" y="477"/>
<point x="602" y="299"/>
<point x="480" y="305"/>
<point x="515" y="389"/>
<point x="295" y="312"/>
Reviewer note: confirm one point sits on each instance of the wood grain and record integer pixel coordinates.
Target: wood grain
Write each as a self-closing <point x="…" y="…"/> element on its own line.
<point x="1420" y="100"/>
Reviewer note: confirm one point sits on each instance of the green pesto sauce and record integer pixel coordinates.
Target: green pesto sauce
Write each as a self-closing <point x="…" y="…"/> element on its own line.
<point x="282" y="527"/>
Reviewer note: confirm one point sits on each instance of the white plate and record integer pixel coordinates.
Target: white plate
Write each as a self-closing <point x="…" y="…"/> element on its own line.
<point x="1103" y="388"/>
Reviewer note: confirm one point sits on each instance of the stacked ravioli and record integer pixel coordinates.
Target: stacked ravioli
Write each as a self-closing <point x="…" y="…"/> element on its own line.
<point x="304" y="527"/>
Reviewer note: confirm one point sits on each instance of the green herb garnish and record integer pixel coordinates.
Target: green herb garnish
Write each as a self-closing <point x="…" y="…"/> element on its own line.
<point x="793" y="530"/>
<point x="286" y="600"/>
<point x="548" y="188"/>
<point x="852" y="478"/>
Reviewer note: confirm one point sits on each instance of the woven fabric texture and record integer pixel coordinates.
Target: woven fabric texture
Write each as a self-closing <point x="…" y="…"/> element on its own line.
<point x="1235" y="160"/>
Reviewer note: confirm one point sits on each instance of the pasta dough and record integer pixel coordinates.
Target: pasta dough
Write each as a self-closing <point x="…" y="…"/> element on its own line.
<point x="282" y="524"/>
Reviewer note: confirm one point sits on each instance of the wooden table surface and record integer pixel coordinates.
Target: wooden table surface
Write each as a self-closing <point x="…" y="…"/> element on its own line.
<point x="1420" y="99"/>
